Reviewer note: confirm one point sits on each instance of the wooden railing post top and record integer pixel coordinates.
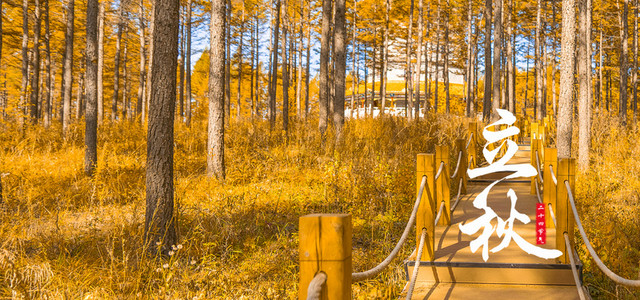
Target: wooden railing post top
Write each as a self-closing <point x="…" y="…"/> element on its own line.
<point x="442" y="152"/>
<point x="426" y="162"/>
<point x="566" y="167"/>
<point x="325" y="237"/>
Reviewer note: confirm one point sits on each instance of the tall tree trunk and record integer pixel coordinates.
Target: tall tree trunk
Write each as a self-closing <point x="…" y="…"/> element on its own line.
<point x="125" y="77"/>
<point x="340" y="67"/>
<point x="307" y="76"/>
<point x="91" y="118"/>
<point x="299" y="71"/>
<point x="80" y="94"/>
<point x="600" y="71"/>
<point x="635" y="62"/>
<point x="565" y="115"/>
<point x="324" y="68"/>
<point x="446" y="62"/>
<point x="227" y="87"/>
<point x="285" y="70"/>
<point x="252" y="66"/>
<point x="584" y="81"/>
<point x="538" y="62"/>
<point x="419" y="56"/>
<point x="188" y="64"/>
<point x="385" y="58"/>
<point x="240" y="54"/>
<point x="25" y="55"/>
<point x="408" y="77"/>
<point x="427" y="60"/>
<point x="116" y="68"/>
<point x="624" y="70"/>
<point x="48" y="94"/>
<point x="215" y="141"/>
<point x="554" y="54"/>
<point x="497" y="58"/>
<point x="100" y="62"/>
<point x="510" y="61"/>
<point x="151" y="52"/>
<point x="486" y="105"/>
<point x="160" y="222"/>
<point x="141" y="83"/>
<point x="469" y="67"/>
<point x="526" y="85"/>
<point x="181" y="67"/>
<point x="67" y="69"/>
<point x="35" y="77"/>
<point x="354" y="60"/>
<point x="274" y="68"/>
<point x="437" y="64"/>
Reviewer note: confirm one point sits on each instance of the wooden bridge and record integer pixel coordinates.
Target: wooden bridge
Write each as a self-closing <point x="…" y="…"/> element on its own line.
<point x="447" y="268"/>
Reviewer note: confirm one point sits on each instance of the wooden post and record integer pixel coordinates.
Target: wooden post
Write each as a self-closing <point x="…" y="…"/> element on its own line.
<point x="426" y="166"/>
<point x="564" y="213"/>
<point x="542" y="141"/>
<point x="443" y="184"/>
<point x="549" y="191"/>
<point x="473" y="150"/>
<point x="534" y="148"/>
<point x="462" y="172"/>
<point x="325" y="245"/>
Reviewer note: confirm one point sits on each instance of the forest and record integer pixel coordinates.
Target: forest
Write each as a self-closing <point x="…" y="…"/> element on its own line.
<point x="166" y="148"/>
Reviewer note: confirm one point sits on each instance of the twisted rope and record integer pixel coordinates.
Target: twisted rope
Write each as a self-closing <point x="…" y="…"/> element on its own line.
<point x="553" y="216"/>
<point x="458" y="196"/>
<point x="538" y="191"/>
<point x="315" y="286"/>
<point x="439" y="213"/>
<point x="615" y="277"/>
<point x="355" y="277"/>
<point x="553" y="175"/>
<point x="439" y="170"/>
<point x="538" y="167"/>
<point x="573" y="266"/>
<point x="469" y="142"/>
<point x="416" y="266"/>
<point x="457" y="166"/>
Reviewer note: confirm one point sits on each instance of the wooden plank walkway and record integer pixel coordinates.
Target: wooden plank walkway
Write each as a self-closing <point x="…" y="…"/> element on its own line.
<point x="457" y="273"/>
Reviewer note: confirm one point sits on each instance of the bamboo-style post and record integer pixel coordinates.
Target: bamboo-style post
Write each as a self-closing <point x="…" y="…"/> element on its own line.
<point x="425" y="217"/>
<point x="325" y="245"/>
<point x="443" y="184"/>
<point x="549" y="190"/>
<point x="564" y="215"/>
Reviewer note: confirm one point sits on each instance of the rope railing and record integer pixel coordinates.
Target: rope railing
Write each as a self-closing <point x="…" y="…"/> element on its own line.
<point x="615" y="277"/>
<point x="538" y="191"/>
<point x="439" y="213"/>
<point x="416" y="266"/>
<point x="538" y="167"/>
<point x="469" y="142"/>
<point x="355" y="277"/>
<point x="574" y="270"/>
<point x="453" y="207"/>
<point x="315" y="286"/>
<point x="553" y="175"/>
<point x="553" y="216"/>
<point x="455" y="173"/>
<point x="440" y="170"/>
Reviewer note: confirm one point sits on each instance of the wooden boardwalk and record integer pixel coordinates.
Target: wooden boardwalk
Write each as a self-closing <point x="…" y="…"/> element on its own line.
<point x="457" y="273"/>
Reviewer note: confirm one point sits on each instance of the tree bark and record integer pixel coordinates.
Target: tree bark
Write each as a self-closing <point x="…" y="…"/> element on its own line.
<point x="227" y="88"/>
<point x="526" y="84"/>
<point x="624" y="70"/>
<point x="307" y="76"/>
<point x="340" y="68"/>
<point x="125" y="79"/>
<point x="48" y="94"/>
<point x="181" y="62"/>
<point x="142" y="80"/>
<point x="215" y="141"/>
<point x="408" y="66"/>
<point x="100" y="62"/>
<point x="446" y="62"/>
<point x="91" y="117"/>
<point x="553" y="65"/>
<point x="486" y="105"/>
<point x="116" y="68"/>
<point x="146" y="105"/>
<point x="385" y="59"/>
<point x="188" y="64"/>
<point x="240" y="54"/>
<point x="285" y="70"/>
<point x="600" y="71"/>
<point x="419" y="57"/>
<point x="160" y="223"/>
<point x="437" y="64"/>
<point x="584" y="82"/>
<point x="469" y="68"/>
<point x="510" y="61"/>
<point x="324" y="68"/>
<point x="565" y="115"/>
<point x="274" y="68"/>
<point x="635" y="62"/>
<point x="538" y="61"/>
<point x="25" y="55"/>
<point x="35" y="77"/>
<point x="299" y="71"/>
<point x="497" y="58"/>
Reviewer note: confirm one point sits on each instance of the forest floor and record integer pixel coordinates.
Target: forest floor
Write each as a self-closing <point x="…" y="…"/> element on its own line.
<point x="65" y="235"/>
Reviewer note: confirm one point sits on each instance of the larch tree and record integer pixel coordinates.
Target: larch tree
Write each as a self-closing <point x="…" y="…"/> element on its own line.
<point x="567" y="64"/>
<point x="143" y="74"/>
<point x="624" y="69"/>
<point x="35" y="77"/>
<point x="308" y="66"/>
<point x="538" y="107"/>
<point x="116" y="64"/>
<point x="419" y="56"/>
<point x="273" y="82"/>
<point x="215" y="136"/>
<point x="408" y="65"/>
<point x="101" y="62"/>
<point x="445" y="56"/>
<point x="48" y="91"/>
<point x="511" y="72"/>
<point x="385" y="59"/>
<point x="160" y="223"/>
<point x="340" y="37"/>
<point x="91" y="118"/>
<point x="67" y="68"/>
<point x="285" y="68"/>
<point x="324" y="68"/>
<point x="584" y="83"/>
<point x="188" y="64"/>
<point x="635" y="62"/>
<point x="240" y="55"/>
<point x="25" y="53"/>
<point x="486" y="107"/>
<point x="470" y="54"/>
